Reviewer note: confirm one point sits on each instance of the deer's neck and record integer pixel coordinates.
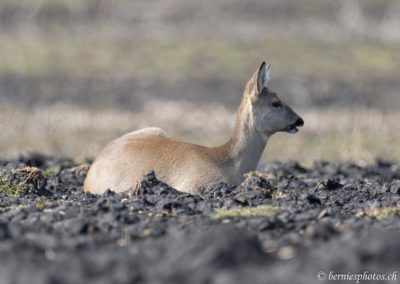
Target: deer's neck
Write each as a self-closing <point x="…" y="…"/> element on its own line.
<point x="246" y="145"/>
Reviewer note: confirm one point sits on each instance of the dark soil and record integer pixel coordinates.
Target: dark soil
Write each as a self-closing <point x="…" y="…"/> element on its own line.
<point x="340" y="218"/>
<point x="130" y="93"/>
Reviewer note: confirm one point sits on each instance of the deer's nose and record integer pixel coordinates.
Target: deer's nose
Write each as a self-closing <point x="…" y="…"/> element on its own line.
<point x="299" y="122"/>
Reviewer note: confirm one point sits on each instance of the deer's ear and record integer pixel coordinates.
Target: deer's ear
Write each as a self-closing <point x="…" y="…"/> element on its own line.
<point x="263" y="76"/>
<point x="258" y="81"/>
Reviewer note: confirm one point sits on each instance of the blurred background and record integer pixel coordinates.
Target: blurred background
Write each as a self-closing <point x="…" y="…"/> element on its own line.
<point x="76" y="74"/>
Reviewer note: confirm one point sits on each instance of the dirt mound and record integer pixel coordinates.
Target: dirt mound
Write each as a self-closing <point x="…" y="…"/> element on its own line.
<point x="286" y="223"/>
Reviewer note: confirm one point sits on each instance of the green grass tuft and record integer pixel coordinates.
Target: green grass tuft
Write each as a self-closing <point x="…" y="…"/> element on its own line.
<point x="48" y="172"/>
<point x="10" y="189"/>
<point x="383" y="213"/>
<point x="265" y="210"/>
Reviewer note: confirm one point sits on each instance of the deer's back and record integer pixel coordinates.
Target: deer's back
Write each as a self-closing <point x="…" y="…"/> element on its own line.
<point x="126" y="160"/>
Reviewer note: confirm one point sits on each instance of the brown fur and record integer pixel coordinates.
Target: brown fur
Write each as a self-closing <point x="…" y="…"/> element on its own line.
<point x="184" y="166"/>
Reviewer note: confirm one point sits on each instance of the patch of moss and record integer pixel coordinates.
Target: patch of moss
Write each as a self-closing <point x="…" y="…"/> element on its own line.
<point x="383" y="213"/>
<point x="43" y="203"/>
<point x="22" y="181"/>
<point x="9" y="189"/>
<point x="265" y="210"/>
<point x="48" y="172"/>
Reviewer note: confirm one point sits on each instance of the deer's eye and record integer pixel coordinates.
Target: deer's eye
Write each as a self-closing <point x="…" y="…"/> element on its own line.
<point x="277" y="104"/>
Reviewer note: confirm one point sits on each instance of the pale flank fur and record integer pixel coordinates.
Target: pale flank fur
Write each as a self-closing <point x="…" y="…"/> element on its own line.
<point x="184" y="166"/>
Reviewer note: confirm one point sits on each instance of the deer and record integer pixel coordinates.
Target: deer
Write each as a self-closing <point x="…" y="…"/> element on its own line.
<point x="191" y="168"/>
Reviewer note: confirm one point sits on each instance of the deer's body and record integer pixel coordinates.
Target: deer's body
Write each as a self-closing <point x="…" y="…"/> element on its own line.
<point x="189" y="167"/>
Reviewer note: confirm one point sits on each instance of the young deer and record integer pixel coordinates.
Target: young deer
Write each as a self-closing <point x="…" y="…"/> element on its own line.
<point x="189" y="167"/>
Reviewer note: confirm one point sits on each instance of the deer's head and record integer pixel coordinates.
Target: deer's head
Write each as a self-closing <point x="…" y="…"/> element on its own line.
<point x="269" y="113"/>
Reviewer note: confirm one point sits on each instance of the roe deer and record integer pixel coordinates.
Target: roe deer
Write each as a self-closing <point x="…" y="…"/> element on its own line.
<point x="189" y="167"/>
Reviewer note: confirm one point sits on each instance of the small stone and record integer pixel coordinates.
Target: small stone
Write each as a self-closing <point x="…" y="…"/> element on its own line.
<point x="395" y="187"/>
<point x="286" y="253"/>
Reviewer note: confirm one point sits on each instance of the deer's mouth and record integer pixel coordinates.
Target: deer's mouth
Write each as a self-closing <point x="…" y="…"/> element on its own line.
<point x="293" y="128"/>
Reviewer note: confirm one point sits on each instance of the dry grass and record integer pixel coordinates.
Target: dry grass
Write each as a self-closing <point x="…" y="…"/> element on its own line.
<point x="361" y="135"/>
<point x="382" y="213"/>
<point x="264" y="211"/>
<point x="335" y="135"/>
